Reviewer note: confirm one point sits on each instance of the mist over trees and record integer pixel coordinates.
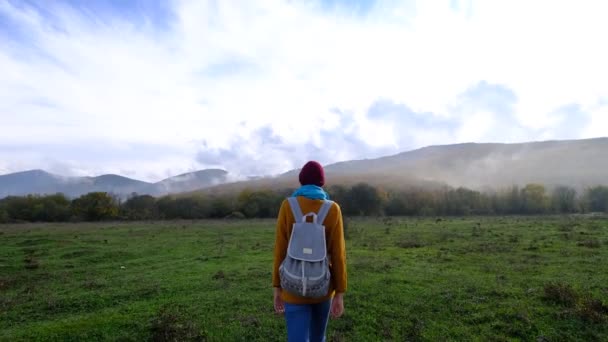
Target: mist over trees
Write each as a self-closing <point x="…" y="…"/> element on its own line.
<point x="358" y="200"/>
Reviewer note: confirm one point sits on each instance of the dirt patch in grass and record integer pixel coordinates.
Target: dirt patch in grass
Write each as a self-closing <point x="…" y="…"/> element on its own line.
<point x="514" y="238"/>
<point x="34" y="253"/>
<point x="491" y="248"/>
<point x="116" y="255"/>
<point x="593" y="310"/>
<point x="566" y="227"/>
<point x="170" y="324"/>
<point x="250" y="322"/>
<point x="336" y="336"/>
<point x="33" y="242"/>
<point x="93" y="284"/>
<point x="590" y="243"/>
<point x="409" y="244"/>
<point x="412" y="330"/>
<point x="412" y="241"/>
<point x="373" y="265"/>
<point x="583" y="306"/>
<point x="562" y="294"/>
<point x="516" y="325"/>
<point x="31" y="263"/>
<point x="219" y="275"/>
<point x="258" y="273"/>
<point x="77" y="254"/>
<point x="6" y="283"/>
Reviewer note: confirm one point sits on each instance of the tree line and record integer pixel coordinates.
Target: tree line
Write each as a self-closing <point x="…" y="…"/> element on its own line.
<point x="359" y="200"/>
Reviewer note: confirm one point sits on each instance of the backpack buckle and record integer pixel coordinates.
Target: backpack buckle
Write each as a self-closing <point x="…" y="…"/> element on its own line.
<point x="314" y="217"/>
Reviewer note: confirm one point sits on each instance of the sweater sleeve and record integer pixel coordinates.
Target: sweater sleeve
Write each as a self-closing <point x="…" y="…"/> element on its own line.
<point x="280" y="243"/>
<point x="337" y="252"/>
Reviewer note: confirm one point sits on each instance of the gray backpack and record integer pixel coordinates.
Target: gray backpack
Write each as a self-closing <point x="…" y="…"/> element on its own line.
<point x="305" y="270"/>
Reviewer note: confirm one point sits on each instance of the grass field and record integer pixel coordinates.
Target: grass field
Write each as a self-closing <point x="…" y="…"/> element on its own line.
<point x="485" y="279"/>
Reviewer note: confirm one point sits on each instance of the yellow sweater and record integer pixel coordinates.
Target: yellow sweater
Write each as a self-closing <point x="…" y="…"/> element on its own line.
<point x="336" y="250"/>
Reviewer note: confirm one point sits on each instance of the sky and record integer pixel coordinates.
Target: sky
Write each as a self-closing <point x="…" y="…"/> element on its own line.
<point x="152" y="89"/>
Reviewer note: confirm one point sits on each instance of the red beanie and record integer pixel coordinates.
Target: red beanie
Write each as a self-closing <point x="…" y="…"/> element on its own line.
<point x="312" y="173"/>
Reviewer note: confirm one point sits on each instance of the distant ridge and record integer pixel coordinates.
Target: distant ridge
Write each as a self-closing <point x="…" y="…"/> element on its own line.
<point x="42" y="182"/>
<point x="192" y="180"/>
<point x="577" y="163"/>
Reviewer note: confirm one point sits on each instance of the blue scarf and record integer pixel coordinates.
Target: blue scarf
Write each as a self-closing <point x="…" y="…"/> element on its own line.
<point x="312" y="192"/>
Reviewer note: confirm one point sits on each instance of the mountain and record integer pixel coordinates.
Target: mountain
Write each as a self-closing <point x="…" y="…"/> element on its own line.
<point x="34" y="181"/>
<point x="193" y="180"/>
<point x="42" y="182"/>
<point x="577" y="163"/>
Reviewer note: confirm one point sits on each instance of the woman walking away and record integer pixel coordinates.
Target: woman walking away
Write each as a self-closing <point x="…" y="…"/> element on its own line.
<point x="309" y="275"/>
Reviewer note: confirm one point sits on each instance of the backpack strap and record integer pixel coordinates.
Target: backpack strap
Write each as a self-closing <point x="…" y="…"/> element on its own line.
<point x="324" y="211"/>
<point x="295" y="209"/>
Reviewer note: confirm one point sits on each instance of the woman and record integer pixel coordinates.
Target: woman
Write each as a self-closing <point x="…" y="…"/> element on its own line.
<point x="307" y="318"/>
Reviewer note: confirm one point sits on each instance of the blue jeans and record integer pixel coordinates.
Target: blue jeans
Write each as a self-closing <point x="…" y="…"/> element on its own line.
<point x="307" y="322"/>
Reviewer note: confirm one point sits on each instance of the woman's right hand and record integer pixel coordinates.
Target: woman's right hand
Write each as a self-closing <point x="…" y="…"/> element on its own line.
<point x="279" y="306"/>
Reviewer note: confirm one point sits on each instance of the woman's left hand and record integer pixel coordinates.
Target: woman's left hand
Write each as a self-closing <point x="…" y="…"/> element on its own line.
<point x="279" y="306"/>
<point x="337" y="306"/>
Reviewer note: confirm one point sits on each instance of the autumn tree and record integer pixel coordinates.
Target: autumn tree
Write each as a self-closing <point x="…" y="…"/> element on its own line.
<point x="95" y="206"/>
<point x="534" y="199"/>
<point x="139" y="207"/>
<point x="260" y="203"/>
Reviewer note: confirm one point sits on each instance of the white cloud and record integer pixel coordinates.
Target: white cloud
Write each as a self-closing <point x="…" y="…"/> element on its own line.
<point x="77" y="79"/>
<point x="599" y="120"/>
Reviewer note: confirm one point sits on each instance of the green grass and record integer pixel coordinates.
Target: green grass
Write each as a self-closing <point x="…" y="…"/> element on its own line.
<point x="480" y="279"/>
